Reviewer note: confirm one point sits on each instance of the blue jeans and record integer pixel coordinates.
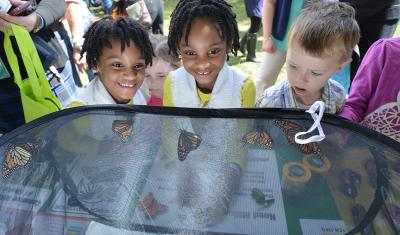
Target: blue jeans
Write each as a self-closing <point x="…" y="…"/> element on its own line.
<point x="107" y="4"/>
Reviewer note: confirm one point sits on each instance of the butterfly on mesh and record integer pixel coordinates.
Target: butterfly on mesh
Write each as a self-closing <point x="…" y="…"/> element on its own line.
<point x="151" y="207"/>
<point x="258" y="137"/>
<point x="123" y="128"/>
<point x="290" y="129"/>
<point x="18" y="156"/>
<point x="187" y="142"/>
<point x="310" y="148"/>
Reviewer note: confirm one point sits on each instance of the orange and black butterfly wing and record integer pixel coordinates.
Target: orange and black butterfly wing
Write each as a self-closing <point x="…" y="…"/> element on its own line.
<point x="183" y="150"/>
<point x="123" y="128"/>
<point x="151" y="207"/>
<point x="187" y="142"/>
<point x="148" y="200"/>
<point x="265" y="140"/>
<point x="250" y="137"/>
<point x="31" y="147"/>
<point x="18" y="156"/>
<point x="156" y="209"/>
<point x="289" y="128"/>
<point x="286" y="125"/>
<point x="310" y="148"/>
<point x="290" y="136"/>
<point x="256" y="137"/>
<point x="21" y="156"/>
<point x="9" y="163"/>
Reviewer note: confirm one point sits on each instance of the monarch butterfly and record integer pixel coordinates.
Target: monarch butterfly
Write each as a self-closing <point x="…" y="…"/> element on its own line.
<point x="310" y="148"/>
<point x="287" y="126"/>
<point x="257" y="137"/>
<point x="290" y="129"/>
<point x="123" y="128"/>
<point x="18" y="156"/>
<point x="151" y="207"/>
<point x="187" y="142"/>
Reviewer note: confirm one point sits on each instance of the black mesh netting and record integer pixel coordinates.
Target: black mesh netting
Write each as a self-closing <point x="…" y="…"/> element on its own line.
<point x="143" y="170"/>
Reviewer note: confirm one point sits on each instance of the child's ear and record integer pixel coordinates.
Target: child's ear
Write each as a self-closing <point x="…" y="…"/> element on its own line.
<point x="344" y="64"/>
<point x="179" y="54"/>
<point x="95" y="70"/>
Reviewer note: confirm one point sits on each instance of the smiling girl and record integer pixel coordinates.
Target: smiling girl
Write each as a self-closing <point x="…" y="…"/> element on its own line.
<point x="119" y="51"/>
<point x="203" y="33"/>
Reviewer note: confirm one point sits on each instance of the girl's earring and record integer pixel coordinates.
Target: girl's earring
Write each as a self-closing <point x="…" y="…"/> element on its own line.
<point x="95" y="71"/>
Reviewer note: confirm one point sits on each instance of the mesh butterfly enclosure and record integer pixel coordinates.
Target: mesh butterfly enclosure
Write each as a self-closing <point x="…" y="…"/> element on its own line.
<point x="144" y="170"/>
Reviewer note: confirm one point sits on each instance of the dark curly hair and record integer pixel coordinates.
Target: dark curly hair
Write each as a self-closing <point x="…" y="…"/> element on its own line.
<point x="124" y="29"/>
<point x="187" y="11"/>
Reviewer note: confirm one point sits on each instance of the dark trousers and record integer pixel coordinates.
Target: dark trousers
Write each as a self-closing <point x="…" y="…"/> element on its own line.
<point x="371" y="31"/>
<point x="156" y="10"/>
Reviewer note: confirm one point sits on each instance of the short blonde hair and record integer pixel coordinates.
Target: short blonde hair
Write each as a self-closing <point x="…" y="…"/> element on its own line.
<point x="161" y="50"/>
<point x="324" y="28"/>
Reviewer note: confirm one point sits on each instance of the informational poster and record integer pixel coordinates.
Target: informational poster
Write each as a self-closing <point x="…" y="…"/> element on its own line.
<point x="27" y="210"/>
<point x="51" y="223"/>
<point x="244" y="216"/>
<point x="96" y="228"/>
<point x="17" y="197"/>
<point x="322" y="227"/>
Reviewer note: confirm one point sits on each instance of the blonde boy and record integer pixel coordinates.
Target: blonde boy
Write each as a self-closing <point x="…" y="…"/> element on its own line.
<point x="320" y="44"/>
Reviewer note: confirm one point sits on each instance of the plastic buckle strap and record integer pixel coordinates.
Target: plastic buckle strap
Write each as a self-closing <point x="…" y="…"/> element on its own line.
<point x="317" y="119"/>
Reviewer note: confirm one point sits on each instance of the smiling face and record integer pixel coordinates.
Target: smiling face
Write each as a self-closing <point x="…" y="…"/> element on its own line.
<point x="122" y="73"/>
<point x="308" y="74"/>
<point x="155" y="76"/>
<point x="204" y="55"/>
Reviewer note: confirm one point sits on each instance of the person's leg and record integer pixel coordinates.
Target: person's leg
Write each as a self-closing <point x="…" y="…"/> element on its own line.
<point x="158" y="24"/>
<point x="371" y="31"/>
<point x="107" y="6"/>
<point x="243" y="43"/>
<point x="270" y="68"/>
<point x="255" y="25"/>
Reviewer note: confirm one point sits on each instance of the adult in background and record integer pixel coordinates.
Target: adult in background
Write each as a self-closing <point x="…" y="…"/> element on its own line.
<point x="79" y="19"/>
<point x="249" y="40"/>
<point x="156" y="10"/>
<point x="377" y="19"/>
<point x="46" y="13"/>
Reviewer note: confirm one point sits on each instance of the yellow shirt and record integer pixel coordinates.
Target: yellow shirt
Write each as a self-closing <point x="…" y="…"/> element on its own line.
<point x="248" y="94"/>
<point x="248" y="101"/>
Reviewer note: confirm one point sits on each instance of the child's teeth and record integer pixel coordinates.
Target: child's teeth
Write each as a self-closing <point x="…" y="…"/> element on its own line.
<point x="126" y="85"/>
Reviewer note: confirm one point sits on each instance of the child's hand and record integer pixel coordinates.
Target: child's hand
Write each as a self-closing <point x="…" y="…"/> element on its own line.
<point x="80" y="62"/>
<point x="268" y="45"/>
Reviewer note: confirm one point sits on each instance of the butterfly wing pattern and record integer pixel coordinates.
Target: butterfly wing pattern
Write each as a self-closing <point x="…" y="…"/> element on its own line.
<point x="123" y="128"/>
<point x="187" y="142"/>
<point x="290" y="129"/>
<point x="151" y="207"/>
<point x="17" y="157"/>
<point x="258" y="137"/>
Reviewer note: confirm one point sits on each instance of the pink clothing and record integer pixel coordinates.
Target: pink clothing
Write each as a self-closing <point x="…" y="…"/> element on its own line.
<point x="374" y="98"/>
<point x="153" y="101"/>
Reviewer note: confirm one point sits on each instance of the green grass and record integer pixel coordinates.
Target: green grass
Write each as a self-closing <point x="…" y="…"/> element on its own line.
<point x="252" y="69"/>
<point x="243" y="24"/>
